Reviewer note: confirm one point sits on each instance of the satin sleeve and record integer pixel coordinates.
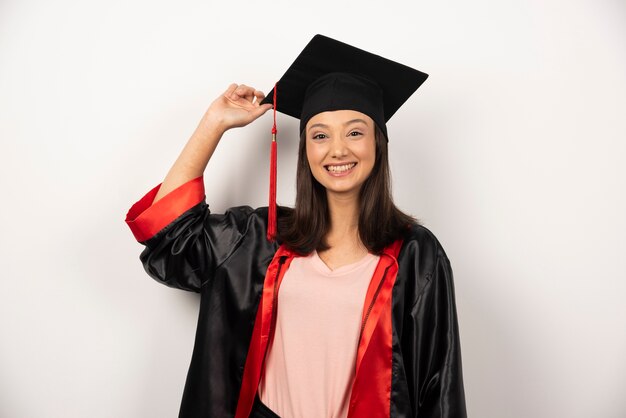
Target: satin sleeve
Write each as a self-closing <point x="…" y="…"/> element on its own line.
<point x="184" y="242"/>
<point x="440" y="393"/>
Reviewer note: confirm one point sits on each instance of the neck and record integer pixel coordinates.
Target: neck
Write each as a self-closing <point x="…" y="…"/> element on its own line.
<point x="344" y="219"/>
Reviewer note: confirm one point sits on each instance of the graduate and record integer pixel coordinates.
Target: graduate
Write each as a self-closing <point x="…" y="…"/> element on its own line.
<point x="342" y="306"/>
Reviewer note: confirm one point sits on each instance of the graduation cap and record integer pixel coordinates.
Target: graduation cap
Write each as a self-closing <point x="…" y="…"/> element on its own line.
<point x="331" y="75"/>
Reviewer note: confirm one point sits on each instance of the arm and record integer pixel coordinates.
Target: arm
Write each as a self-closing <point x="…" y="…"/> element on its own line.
<point x="441" y="393"/>
<point x="236" y="107"/>
<point x="184" y="242"/>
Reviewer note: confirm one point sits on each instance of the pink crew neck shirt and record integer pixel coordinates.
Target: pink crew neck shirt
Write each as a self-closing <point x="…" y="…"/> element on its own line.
<point x="311" y="361"/>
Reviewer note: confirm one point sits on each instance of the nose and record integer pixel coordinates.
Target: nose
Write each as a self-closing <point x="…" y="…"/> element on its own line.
<point x="338" y="147"/>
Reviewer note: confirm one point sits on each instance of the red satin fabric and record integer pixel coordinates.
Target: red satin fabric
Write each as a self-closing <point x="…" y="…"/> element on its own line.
<point x="255" y="359"/>
<point x="371" y="390"/>
<point x="146" y="219"/>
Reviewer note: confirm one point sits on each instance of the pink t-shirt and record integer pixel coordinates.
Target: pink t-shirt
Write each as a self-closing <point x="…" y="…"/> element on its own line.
<point x="311" y="361"/>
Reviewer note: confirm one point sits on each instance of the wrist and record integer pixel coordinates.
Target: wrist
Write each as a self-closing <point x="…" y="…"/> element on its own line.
<point x="211" y="127"/>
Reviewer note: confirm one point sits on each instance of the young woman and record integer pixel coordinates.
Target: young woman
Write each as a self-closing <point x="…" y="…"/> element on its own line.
<point x="350" y="311"/>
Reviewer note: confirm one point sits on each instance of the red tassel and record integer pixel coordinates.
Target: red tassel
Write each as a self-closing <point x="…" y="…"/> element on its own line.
<point x="271" y="222"/>
<point x="271" y="211"/>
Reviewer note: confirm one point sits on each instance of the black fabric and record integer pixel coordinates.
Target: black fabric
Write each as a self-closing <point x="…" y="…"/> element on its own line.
<point x="224" y="257"/>
<point x="338" y="91"/>
<point x="332" y="75"/>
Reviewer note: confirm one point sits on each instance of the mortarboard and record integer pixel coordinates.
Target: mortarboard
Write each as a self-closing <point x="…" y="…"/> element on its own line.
<point x="331" y="75"/>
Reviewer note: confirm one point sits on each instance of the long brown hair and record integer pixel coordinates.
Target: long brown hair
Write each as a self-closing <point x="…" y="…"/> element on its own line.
<point x="304" y="228"/>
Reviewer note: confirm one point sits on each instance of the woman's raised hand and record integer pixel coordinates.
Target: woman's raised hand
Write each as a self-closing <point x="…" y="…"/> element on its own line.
<point x="236" y="107"/>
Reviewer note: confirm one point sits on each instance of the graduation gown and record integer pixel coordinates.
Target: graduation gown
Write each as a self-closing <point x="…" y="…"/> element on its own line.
<point x="408" y="360"/>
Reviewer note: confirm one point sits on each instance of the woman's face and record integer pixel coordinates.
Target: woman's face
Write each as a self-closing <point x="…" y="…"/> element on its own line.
<point x="341" y="150"/>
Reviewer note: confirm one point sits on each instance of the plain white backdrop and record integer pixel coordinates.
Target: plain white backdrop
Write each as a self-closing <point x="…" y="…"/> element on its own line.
<point x="512" y="153"/>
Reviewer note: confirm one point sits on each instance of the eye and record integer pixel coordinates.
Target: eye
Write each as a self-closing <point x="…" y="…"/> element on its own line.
<point x="355" y="133"/>
<point x="319" y="136"/>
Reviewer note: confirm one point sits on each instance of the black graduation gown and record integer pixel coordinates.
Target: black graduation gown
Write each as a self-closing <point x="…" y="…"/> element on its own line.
<point x="225" y="257"/>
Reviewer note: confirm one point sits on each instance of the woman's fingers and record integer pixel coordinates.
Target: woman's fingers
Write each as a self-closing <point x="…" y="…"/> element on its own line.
<point x="260" y="110"/>
<point x="248" y="93"/>
<point x="241" y="94"/>
<point x="245" y="92"/>
<point x="244" y="96"/>
<point x="230" y="90"/>
<point x="259" y="97"/>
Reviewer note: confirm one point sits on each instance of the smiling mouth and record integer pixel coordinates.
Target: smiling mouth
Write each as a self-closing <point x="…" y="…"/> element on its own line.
<point x="339" y="168"/>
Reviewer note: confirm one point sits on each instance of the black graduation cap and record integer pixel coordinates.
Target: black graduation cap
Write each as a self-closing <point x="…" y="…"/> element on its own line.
<point x="331" y="75"/>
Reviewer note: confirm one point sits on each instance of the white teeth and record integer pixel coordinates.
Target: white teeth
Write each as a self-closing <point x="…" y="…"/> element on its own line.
<point x="340" y="168"/>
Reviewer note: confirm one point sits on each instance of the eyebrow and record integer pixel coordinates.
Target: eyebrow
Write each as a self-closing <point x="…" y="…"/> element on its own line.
<point x="351" y="121"/>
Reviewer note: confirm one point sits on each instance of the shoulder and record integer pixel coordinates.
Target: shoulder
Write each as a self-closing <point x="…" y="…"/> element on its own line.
<point x="422" y="247"/>
<point x="241" y="213"/>
<point x="246" y="212"/>
<point x="246" y="218"/>
<point x="231" y="225"/>
<point x="242" y="230"/>
<point x="259" y="213"/>
<point x="423" y="237"/>
<point x="241" y="218"/>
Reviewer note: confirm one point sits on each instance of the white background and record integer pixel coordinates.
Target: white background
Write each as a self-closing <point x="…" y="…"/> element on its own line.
<point x="512" y="153"/>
